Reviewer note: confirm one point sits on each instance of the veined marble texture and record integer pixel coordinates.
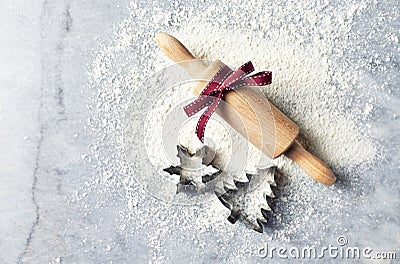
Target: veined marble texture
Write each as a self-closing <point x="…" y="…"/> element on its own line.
<point x="45" y="47"/>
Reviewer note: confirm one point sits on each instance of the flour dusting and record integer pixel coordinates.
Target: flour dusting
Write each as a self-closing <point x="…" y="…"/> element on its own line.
<point x="305" y="87"/>
<point x="315" y="83"/>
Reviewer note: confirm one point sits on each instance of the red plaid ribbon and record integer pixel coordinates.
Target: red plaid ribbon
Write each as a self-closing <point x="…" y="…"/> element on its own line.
<point x="224" y="80"/>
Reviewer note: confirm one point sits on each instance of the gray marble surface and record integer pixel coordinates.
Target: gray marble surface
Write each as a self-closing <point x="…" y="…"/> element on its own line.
<point x="45" y="47"/>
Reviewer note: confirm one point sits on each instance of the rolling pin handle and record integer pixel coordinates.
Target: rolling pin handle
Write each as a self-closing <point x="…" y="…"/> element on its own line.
<point x="177" y="52"/>
<point x="312" y="165"/>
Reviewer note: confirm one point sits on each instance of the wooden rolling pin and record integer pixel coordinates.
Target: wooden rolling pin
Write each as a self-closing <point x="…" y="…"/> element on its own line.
<point x="250" y="113"/>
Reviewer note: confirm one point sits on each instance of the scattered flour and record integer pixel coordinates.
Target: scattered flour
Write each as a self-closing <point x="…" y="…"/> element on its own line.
<point x="312" y="84"/>
<point x="162" y="125"/>
<point x="304" y="86"/>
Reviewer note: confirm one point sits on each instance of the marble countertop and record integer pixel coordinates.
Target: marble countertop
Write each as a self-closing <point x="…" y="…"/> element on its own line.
<point x="45" y="47"/>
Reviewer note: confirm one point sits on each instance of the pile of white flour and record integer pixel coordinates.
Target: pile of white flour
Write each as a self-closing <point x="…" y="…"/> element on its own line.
<point x="312" y="84"/>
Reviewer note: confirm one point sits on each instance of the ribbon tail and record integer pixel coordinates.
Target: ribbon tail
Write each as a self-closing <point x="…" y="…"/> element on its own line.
<point x="205" y="117"/>
<point x="260" y="78"/>
<point x="247" y="67"/>
<point x="198" y="104"/>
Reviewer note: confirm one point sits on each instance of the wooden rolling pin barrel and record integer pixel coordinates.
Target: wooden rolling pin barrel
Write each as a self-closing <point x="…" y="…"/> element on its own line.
<point x="264" y="125"/>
